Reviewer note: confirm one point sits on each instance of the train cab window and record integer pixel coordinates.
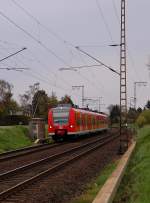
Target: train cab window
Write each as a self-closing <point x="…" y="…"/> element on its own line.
<point x="61" y="116"/>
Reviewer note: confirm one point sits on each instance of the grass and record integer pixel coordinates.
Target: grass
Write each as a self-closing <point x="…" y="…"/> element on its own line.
<point x="135" y="185"/>
<point x="94" y="187"/>
<point x="13" y="137"/>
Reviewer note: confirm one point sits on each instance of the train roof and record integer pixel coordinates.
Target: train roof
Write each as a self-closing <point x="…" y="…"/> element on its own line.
<point x="68" y="107"/>
<point x="89" y="111"/>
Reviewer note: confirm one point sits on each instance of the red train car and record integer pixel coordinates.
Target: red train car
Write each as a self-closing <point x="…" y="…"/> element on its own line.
<point x="69" y="122"/>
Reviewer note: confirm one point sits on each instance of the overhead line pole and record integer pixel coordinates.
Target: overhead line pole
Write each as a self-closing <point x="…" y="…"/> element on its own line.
<point x="80" y="86"/>
<point x="123" y="81"/>
<point x="95" y="100"/>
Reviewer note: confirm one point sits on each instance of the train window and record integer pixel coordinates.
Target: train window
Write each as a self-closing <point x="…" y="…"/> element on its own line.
<point x="86" y="120"/>
<point x="61" y="116"/>
<point x="83" y="120"/>
<point x="93" y="121"/>
<point x="78" y="121"/>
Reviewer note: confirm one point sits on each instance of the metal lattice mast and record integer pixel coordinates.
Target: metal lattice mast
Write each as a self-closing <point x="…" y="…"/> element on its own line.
<point x="123" y="75"/>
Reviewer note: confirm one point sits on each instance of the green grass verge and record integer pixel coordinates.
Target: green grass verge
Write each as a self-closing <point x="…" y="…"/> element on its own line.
<point x="135" y="187"/>
<point x="13" y="137"/>
<point x="94" y="187"/>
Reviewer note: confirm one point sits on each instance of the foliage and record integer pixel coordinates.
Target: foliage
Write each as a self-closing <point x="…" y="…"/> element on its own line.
<point x="148" y="104"/>
<point x="135" y="185"/>
<point x="66" y="100"/>
<point x="34" y="102"/>
<point x="94" y="187"/>
<point x="40" y="104"/>
<point x="52" y="101"/>
<point x="141" y="121"/>
<point x="7" y="104"/>
<point x="139" y="110"/>
<point x="27" y="97"/>
<point x="114" y="113"/>
<point x="133" y="114"/>
<point x="14" y="120"/>
<point x="144" y="118"/>
<point x="5" y="91"/>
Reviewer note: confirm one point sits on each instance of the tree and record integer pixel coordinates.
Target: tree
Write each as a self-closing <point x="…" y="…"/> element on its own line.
<point x="148" y="104"/>
<point x="132" y="114"/>
<point x="27" y="97"/>
<point x="143" y="118"/>
<point x="5" y="97"/>
<point x="114" y="113"/>
<point x="66" y="100"/>
<point x="141" y="121"/>
<point x="52" y="101"/>
<point x="40" y="104"/>
<point x="139" y="110"/>
<point x="13" y="107"/>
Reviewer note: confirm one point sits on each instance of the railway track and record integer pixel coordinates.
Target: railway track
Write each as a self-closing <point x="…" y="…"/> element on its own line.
<point x="6" y="156"/>
<point x="25" y="151"/>
<point x="11" y="182"/>
<point x="12" y="160"/>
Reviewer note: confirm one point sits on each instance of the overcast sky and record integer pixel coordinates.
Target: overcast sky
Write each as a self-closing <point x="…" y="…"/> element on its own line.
<point x="90" y="24"/>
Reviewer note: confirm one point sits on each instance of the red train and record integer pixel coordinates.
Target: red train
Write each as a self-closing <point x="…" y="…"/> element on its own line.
<point x="66" y="122"/>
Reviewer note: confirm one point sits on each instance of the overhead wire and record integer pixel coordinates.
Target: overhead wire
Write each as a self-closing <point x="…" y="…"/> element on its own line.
<point x="108" y="30"/>
<point x="97" y="60"/>
<point x="34" y="38"/>
<point x="105" y="23"/>
<point x="104" y="20"/>
<point x="41" y="24"/>
<point x="36" y="74"/>
<point x="128" y="53"/>
<point x="49" y="72"/>
<point x="45" y="27"/>
<point x="43" y="65"/>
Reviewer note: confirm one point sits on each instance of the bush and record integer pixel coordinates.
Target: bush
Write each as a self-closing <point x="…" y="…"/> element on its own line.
<point x="141" y="121"/>
<point x="146" y="115"/>
<point x="144" y="118"/>
<point x="14" y="120"/>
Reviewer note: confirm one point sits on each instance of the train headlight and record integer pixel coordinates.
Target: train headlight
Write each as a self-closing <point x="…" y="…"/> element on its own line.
<point x="50" y="126"/>
<point x="71" y="126"/>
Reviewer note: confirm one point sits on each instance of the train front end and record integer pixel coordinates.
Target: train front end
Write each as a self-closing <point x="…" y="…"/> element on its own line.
<point x="59" y="122"/>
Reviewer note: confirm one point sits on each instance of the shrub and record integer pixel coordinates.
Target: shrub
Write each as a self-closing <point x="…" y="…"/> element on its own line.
<point x="141" y="121"/>
<point x="146" y="115"/>
<point x="144" y="118"/>
<point x="14" y="120"/>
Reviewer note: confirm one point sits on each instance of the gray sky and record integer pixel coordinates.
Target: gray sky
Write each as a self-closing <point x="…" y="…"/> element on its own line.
<point x="80" y="23"/>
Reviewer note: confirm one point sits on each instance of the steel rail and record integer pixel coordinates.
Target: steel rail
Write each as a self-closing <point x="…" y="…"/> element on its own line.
<point x="26" y="150"/>
<point x="50" y="158"/>
<point x="55" y="168"/>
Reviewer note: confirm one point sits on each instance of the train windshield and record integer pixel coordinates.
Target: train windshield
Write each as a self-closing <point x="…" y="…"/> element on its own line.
<point x="60" y="116"/>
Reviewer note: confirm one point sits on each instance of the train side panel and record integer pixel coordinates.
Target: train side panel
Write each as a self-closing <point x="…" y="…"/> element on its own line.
<point x="74" y="122"/>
